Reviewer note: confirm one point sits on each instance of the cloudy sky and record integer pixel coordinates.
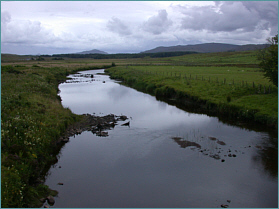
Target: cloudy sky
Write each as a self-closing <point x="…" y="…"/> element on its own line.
<point x="49" y="27"/>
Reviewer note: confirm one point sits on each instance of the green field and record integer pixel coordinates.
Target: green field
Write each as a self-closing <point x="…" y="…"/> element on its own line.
<point x="240" y="92"/>
<point x="224" y="58"/>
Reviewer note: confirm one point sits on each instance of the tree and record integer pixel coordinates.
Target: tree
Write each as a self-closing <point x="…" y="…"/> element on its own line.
<point x="269" y="60"/>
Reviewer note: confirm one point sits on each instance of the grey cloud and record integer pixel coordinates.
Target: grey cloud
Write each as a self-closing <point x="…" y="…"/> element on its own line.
<point x="227" y="17"/>
<point x="24" y="32"/>
<point x="157" y="24"/>
<point x="5" y="17"/>
<point x="268" y="13"/>
<point x="117" y="26"/>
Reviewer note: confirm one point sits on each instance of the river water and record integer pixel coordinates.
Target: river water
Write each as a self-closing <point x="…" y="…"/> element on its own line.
<point x="166" y="158"/>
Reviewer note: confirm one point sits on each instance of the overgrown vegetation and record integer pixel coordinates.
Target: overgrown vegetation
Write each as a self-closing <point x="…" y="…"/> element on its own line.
<point x="32" y="119"/>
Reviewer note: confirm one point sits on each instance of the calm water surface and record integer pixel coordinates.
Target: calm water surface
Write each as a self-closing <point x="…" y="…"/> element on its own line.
<point x="167" y="158"/>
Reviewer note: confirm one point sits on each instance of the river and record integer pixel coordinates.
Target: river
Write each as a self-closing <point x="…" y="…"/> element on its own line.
<point x="166" y="158"/>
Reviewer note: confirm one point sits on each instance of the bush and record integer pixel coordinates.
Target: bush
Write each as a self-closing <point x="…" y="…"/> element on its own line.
<point x="269" y="60"/>
<point x="229" y="98"/>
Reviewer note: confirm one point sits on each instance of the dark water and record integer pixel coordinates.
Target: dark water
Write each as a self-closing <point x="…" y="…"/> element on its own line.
<point x="167" y="158"/>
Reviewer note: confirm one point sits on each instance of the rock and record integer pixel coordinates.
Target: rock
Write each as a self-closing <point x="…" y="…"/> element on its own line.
<point x="222" y="160"/>
<point x="102" y="134"/>
<point x="224" y="206"/>
<point x="221" y="142"/>
<point x="122" y="117"/>
<point x="126" y="124"/>
<point x="60" y="183"/>
<point x="50" y="200"/>
<point x="216" y="156"/>
<point x="229" y="201"/>
<point x="234" y="155"/>
<point x="185" y="143"/>
<point x="176" y="138"/>
<point x="65" y="139"/>
<point x="212" y="138"/>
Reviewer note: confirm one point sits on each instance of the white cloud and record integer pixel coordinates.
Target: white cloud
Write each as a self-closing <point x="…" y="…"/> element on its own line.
<point x="230" y="16"/>
<point x="157" y="24"/>
<point x="24" y="31"/>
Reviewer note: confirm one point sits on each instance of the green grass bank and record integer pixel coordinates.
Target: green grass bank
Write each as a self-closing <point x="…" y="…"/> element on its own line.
<point x="234" y="92"/>
<point x="32" y="120"/>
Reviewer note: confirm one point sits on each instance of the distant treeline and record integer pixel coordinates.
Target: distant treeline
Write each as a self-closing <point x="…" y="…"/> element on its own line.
<point x="123" y="56"/>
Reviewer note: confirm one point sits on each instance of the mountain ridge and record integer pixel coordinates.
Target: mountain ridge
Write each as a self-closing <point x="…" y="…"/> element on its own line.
<point x="207" y="48"/>
<point x="93" y="51"/>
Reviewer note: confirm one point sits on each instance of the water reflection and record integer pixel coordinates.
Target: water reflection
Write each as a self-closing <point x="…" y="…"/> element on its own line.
<point x="267" y="155"/>
<point x="143" y="165"/>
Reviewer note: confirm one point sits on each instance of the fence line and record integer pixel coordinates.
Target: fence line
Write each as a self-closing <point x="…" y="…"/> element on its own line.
<point x="258" y="88"/>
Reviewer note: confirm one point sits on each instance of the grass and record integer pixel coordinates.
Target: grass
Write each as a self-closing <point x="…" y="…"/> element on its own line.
<point x="232" y="91"/>
<point x="247" y="57"/>
<point x="32" y="118"/>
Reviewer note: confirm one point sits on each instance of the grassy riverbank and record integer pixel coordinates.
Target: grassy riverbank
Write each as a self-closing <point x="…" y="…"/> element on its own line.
<point x="235" y="92"/>
<point x="32" y="120"/>
<point x="32" y="117"/>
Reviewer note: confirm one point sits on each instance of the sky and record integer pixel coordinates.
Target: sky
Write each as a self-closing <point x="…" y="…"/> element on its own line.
<point x="55" y="27"/>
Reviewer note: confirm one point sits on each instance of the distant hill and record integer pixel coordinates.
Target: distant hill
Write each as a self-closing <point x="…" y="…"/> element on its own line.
<point x="94" y="51"/>
<point x="207" y="48"/>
